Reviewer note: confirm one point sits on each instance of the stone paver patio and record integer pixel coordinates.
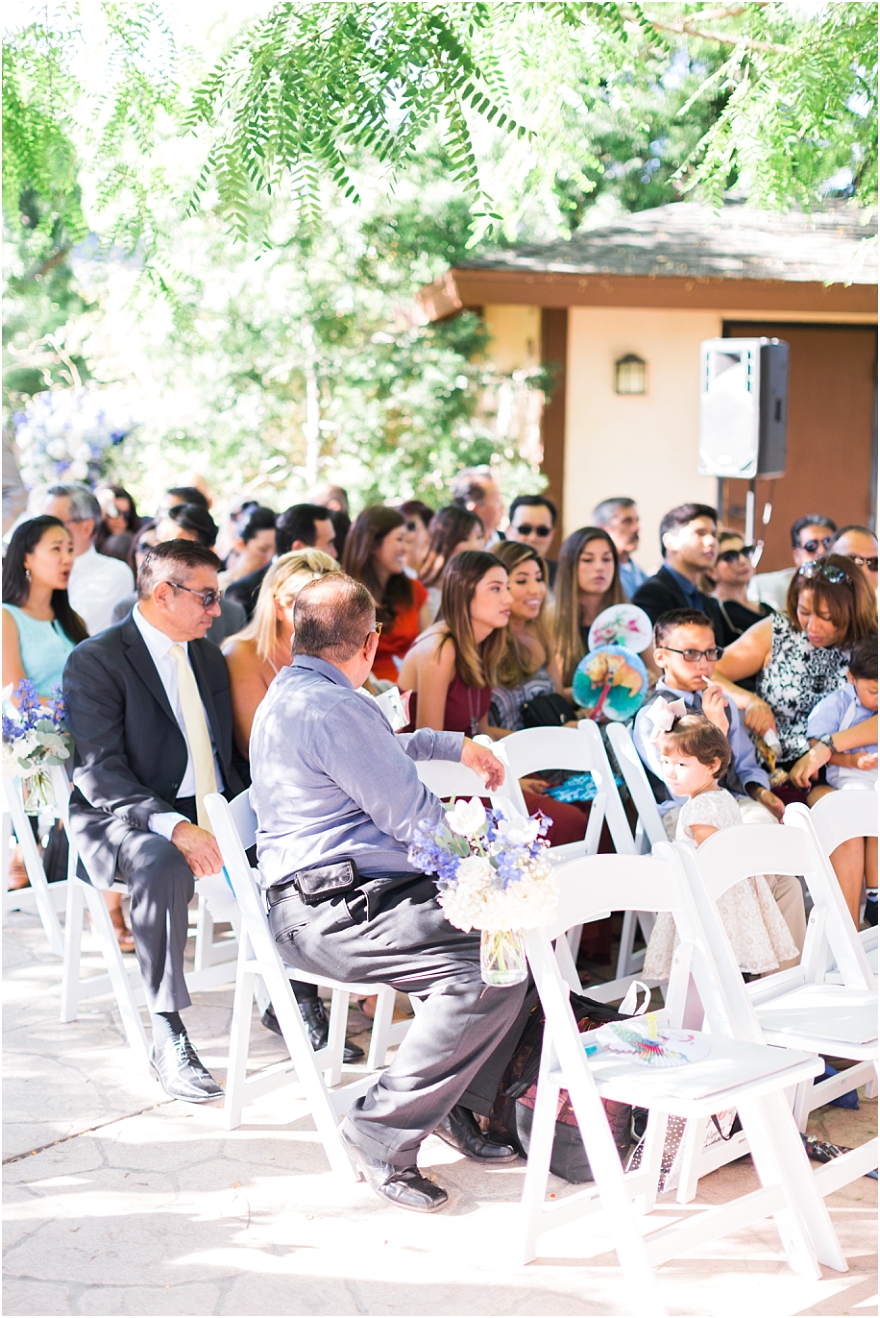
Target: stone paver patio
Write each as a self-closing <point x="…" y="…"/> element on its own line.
<point x="118" y="1201"/>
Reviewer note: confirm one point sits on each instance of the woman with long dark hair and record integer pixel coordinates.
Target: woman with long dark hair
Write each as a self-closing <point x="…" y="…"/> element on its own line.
<point x="375" y="555"/>
<point x="453" y="530"/>
<point x="39" y="626"/>
<point x="453" y="667"/>
<point x="587" y="581"/>
<point x="119" y="522"/>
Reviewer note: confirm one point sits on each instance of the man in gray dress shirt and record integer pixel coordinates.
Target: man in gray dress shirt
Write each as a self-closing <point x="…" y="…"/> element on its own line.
<point x="332" y="782"/>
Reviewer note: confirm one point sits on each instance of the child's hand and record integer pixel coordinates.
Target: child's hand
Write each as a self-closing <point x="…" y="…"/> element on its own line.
<point x="771" y="801"/>
<point x="715" y="707"/>
<point x="808" y="766"/>
<point x="867" y="761"/>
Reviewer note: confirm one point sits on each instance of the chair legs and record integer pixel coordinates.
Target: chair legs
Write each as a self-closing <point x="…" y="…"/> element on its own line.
<point x="43" y="899"/>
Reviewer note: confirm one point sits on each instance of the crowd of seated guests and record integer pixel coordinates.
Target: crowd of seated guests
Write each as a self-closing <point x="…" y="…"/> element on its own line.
<point x="484" y="624"/>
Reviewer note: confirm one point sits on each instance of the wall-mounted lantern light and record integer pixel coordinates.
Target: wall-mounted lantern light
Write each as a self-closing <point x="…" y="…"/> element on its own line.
<point x="630" y="375"/>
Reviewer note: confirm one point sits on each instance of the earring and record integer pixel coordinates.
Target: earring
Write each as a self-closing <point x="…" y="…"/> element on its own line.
<point x="27" y="573"/>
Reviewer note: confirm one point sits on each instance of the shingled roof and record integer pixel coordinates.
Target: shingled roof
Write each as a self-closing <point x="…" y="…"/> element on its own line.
<point x="691" y="240"/>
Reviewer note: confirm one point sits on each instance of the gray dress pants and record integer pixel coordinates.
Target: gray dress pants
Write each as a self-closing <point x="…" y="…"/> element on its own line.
<point x="161" y="886"/>
<point x="459" y="1043"/>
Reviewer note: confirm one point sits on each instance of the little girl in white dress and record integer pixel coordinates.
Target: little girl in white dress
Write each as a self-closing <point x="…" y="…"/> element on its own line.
<point x="694" y="754"/>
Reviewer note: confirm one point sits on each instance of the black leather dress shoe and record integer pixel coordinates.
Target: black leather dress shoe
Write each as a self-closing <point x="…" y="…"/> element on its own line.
<point x="405" y="1187"/>
<point x="318" y="1026"/>
<point x="460" y="1129"/>
<point x="181" y="1074"/>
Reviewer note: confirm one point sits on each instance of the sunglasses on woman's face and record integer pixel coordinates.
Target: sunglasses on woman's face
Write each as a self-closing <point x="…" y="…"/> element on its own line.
<point x="827" y="571"/>
<point x="869" y="563"/>
<point x="812" y="545"/>
<point x="731" y="555"/>
<point x="525" y="529"/>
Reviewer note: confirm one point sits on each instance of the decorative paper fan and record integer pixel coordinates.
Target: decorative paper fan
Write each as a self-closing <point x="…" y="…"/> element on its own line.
<point x="612" y="681"/>
<point x="622" y="624"/>
<point x="641" y="1039"/>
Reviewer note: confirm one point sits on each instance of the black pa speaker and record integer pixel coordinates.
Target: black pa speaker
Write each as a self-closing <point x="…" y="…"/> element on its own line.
<point x="743" y="407"/>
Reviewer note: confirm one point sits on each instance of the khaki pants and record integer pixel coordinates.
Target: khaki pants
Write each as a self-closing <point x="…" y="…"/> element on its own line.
<point x="786" y="888"/>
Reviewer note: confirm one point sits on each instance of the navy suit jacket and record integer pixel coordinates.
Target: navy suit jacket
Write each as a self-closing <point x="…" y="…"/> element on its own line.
<point x="662" y="593"/>
<point x="130" y="754"/>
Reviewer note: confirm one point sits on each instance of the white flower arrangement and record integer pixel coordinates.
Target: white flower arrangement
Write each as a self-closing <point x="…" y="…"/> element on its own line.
<point x="64" y="434"/>
<point x="492" y="873"/>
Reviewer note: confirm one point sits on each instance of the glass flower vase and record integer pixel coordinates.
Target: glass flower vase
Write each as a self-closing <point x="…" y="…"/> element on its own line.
<point x="37" y="794"/>
<point x="502" y="957"/>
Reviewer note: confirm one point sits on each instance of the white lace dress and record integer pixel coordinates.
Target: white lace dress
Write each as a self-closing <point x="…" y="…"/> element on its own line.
<point x="758" y="933"/>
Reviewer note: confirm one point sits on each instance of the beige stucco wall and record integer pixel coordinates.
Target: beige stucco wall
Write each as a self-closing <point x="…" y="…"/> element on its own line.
<point x="642" y="446"/>
<point x="514" y="336"/>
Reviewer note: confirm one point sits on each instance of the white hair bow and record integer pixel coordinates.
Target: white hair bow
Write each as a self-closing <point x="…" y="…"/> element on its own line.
<point x="663" y="714"/>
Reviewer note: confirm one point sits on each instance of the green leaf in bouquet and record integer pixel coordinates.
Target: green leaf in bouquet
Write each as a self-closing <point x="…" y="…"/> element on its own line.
<point x="55" y="760"/>
<point x="45" y="725"/>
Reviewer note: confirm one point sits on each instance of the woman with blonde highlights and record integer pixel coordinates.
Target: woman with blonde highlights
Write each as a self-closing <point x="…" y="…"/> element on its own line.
<point x="527" y="667"/>
<point x="256" y="654"/>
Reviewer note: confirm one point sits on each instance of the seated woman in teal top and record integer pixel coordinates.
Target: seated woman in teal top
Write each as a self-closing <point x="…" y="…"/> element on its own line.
<point x="39" y="626"/>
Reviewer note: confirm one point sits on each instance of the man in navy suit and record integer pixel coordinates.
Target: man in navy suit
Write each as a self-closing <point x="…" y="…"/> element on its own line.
<point x="149" y="709"/>
<point x="689" y="543"/>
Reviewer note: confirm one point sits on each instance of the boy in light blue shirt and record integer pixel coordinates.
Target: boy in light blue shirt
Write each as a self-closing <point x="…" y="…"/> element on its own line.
<point x="853" y="771"/>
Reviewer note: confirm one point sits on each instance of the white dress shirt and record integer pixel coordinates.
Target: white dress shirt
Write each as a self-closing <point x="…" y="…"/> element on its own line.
<point x="159" y="646"/>
<point x="97" y="584"/>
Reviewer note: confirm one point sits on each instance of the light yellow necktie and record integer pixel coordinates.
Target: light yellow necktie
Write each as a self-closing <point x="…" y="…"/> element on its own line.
<point x="197" y="733"/>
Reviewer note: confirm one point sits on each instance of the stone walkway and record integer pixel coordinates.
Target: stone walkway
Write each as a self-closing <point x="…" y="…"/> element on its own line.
<point x="118" y="1201"/>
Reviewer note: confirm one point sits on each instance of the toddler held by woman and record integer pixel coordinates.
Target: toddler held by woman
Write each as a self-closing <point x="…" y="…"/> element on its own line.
<point x="694" y="754"/>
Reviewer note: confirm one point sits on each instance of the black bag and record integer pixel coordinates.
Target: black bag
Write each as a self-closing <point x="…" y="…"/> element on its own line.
<point x="550" y="711"/>
<point x="510" y="1121"/>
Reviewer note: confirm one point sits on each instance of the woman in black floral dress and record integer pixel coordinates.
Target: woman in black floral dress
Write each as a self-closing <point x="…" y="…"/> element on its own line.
<point x="801" y="655"/>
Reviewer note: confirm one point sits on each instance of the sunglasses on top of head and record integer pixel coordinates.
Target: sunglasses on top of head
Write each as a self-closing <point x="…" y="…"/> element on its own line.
<point x="827" y="571"/>
<point x="525" y="529"/>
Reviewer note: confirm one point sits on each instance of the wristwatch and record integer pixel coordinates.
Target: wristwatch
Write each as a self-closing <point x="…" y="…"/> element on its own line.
<point x="827" y="739"/>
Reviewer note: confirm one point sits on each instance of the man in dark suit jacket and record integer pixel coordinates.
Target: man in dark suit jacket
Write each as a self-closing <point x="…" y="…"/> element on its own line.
<point x="689" y="543"/>
<point x="304" y="526"/>
<point x="149" y="743"/>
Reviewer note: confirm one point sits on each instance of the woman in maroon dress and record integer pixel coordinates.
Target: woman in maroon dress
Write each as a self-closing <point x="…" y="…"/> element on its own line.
<point x="451" y="668"/>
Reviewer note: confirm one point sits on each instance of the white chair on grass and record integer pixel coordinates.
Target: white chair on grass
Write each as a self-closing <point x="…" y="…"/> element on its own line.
<point x="234" y="825"/>
<point x="121" y="979"/>
<point x="739" y="1072"/>
<point x="796" y="1008"/>
<point x="837" y="817"/>
<point x="42" y="897"/>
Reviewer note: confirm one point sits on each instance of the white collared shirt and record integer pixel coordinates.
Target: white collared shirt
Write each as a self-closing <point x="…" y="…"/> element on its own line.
<point x="159" y="646"/>
<point x="97" y="584"/>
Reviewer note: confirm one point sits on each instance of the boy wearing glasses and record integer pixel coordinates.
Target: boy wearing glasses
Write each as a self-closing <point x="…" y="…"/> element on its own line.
<point x="811" y="537"/>
<point x="685" y="651"/>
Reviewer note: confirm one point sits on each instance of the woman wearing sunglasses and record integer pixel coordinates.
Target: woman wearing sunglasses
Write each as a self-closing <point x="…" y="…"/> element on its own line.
<point x="732" y="573"/>
<point x="801" y="655"/>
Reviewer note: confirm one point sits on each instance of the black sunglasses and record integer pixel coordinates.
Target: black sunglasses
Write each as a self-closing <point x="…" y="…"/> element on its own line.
<point x="812" y="545"/>
<point x="208" y="597"/>
<point x="827" y="571"/>
<point x="869" y="563"/>
<point x="731" y="555"/>
<point x="525" y="529"/>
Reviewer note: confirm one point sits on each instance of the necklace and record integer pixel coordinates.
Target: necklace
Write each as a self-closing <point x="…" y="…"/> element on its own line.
<point x="473" y="694"/>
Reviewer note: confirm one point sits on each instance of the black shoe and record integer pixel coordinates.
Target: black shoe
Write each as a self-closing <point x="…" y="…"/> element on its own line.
<point x="459" y="1128"/>
<point x="405" y="1187"/>
<point x="181" y="1074"/>
<point x="315" y="1017"/>
<point x="871" y="911"/>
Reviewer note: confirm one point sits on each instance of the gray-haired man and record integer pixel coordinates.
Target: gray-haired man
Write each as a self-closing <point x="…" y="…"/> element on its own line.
<point x="97" y="583"/>
<point x="337" y="799"/>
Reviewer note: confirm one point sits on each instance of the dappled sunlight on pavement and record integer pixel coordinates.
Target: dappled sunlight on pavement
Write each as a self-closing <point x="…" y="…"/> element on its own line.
<point x="162" y="1211"/>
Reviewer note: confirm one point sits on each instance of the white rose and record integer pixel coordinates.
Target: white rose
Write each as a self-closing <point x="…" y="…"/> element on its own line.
<point x="56" y="449"/>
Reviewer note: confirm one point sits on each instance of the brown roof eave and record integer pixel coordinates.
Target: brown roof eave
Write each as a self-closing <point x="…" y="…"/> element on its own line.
<point x="460" y="288"/>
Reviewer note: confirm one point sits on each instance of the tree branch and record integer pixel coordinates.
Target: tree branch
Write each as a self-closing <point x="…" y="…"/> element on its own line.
<point x="719" y="38"/>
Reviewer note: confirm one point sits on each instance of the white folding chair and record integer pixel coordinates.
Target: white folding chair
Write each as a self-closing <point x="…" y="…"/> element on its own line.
<point x="42" y="897"/>
<point x="649" y="828"/>
<point x="739" y="1072"/>
<point x="837" y="817"/>
<point x="122" y="980"/>
<point x="795" y="1008"/>
<point x="235" y="827"/>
